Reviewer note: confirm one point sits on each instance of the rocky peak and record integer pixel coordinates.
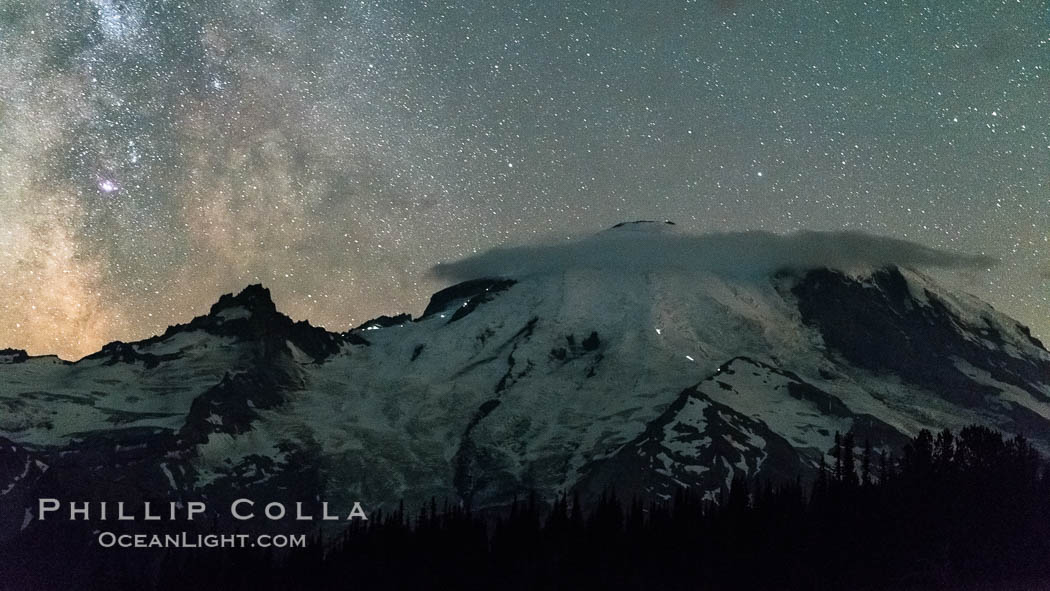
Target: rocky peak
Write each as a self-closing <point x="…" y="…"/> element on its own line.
<point x="255" y="299"/>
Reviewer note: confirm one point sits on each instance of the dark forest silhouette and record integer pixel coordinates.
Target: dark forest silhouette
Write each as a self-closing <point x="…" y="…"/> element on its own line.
<point x="970" y="510"/>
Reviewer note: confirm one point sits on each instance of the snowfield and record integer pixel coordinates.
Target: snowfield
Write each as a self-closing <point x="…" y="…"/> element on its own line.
<point x="573" y="374"/>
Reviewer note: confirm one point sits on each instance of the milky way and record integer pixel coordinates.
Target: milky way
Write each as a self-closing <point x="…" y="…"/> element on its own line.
<point x="156" y="154"/>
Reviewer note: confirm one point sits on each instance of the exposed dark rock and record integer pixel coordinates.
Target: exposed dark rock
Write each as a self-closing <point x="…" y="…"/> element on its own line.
<point x="255" y="299"/>
<point x="13" y="356"/>
<point x="642" y="223"/>
<point x="472" y="464"/>
<point x="385" y="322"/>
<point x="880" y="326"/>
<point x="1028" y="333"/>
<point x="120" y="352"/>
<point x="472" y="294"/>
<point x="651" y="466"/>
<point x="867" y="428"/>
<point x="230" y="406"/>
<point x="824" y="402"/>
<point x="508" y="376"/>
<point x="573" y="350"/>
<point x="19" y="471"/>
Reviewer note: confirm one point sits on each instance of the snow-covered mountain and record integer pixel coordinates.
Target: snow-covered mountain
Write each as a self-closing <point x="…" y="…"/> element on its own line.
<point x="606" y="364"/>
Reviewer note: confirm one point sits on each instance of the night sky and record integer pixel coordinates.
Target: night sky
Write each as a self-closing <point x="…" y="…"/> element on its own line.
<point x="156" y="154"/>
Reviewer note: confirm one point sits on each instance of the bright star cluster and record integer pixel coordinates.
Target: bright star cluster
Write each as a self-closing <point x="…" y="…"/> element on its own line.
<point x="155" y="154"/>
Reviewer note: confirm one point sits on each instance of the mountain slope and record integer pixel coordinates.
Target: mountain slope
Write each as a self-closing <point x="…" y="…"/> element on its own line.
<point x="566" y="377"/>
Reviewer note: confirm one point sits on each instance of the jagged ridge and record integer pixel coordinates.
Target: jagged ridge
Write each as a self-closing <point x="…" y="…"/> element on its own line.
<point x="573" y="380"/>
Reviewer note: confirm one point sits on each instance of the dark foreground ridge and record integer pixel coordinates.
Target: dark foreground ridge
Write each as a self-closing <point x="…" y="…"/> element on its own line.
<point x="965" y="511"/>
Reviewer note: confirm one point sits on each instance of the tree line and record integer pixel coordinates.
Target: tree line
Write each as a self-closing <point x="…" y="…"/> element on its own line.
<point x="966" y="510"/>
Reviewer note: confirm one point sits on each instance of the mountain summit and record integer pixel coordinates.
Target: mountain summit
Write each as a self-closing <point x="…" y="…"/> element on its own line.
<point x="251" y="300"/>
<point x="645" y="360"/>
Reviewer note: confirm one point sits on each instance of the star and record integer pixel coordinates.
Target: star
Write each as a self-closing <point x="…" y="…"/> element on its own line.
<point x="341" y="151"/>
<point x="108" y="185"/>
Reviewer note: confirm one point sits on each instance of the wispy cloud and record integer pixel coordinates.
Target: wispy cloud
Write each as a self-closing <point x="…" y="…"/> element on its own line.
<point x="651" y="247"/>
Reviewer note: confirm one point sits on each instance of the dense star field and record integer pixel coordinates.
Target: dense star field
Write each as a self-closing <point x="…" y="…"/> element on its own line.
<point x="154" y="155"/>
